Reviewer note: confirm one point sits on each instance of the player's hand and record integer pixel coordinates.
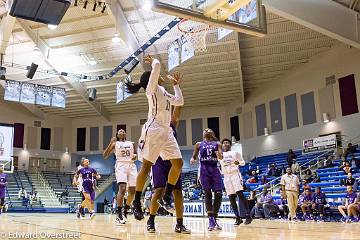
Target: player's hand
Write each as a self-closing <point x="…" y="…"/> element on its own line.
<point x="236" y="162"/>
<point x="148" y="59"/>
<point x="75" y="184"/>
<point x="113" y="139"/>
<point x="218" y="155"/>
<point x="176" y="78"/>
<point x="134" y="157"/>
<point x="192" y="161"/>
<point x="98" y="176"/>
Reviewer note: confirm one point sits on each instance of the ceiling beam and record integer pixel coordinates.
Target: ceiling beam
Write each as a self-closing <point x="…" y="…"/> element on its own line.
<point x="73" y="82"/>
<point x="305" y="12"/>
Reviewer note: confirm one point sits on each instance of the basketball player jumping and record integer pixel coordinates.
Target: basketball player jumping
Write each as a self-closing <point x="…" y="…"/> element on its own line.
<point x="157" y="138"/>
<point x="125" y="171"/>
<point x="160" y="170"/>
<point x="209" y="151"/>
<point x="3" y="185"/>
<point x="89" y="176"/>
<point x="233" y="181"/>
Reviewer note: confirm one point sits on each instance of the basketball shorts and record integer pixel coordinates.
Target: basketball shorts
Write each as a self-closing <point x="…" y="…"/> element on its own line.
<point x="126" y="172"/>
<point x="158" y="141"/>
<point x="89" y="189"/>
<point x="233" y="183"/>
<point x="160" y="172"/>
<point x="210" y="179"/>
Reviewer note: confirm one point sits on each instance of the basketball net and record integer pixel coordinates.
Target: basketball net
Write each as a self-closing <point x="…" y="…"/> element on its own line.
<point x="195" y="33"/>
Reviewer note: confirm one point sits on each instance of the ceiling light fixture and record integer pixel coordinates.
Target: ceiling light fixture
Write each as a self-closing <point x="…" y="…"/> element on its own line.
<point x="52" y="27"/>
<point x="147" y="5"/>
<point x="116" y="38"/>
<point x="92" y="62"/>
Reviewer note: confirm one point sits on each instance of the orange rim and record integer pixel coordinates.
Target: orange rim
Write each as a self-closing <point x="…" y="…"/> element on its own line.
<point x="206" y="28"/>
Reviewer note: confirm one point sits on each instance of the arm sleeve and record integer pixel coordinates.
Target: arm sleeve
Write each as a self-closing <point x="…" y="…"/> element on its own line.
<point x="177" y="99"/>
<point x="154" y="77"/>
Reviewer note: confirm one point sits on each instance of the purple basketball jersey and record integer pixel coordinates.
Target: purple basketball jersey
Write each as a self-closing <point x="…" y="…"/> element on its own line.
<point x="3" y="182"/>
<point x="207" y="153"/>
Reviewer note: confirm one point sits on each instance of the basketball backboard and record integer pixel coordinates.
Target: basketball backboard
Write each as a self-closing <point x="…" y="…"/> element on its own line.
<point x="8" y="165"/>
<point x="246" y="16"/>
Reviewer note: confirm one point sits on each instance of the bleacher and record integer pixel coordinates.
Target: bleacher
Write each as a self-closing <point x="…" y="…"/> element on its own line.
<point x="61" y="181"/>
<point x="16" y="181"/>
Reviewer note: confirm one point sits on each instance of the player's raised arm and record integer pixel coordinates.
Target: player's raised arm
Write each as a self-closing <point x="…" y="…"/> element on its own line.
<point x="195" y="153"/>
<point x="219" y="152"/>
<point x="154" y="76"/>
<point x="75" y="179"/>
<point x="109" y="149"/>
<point x="177" y="99"/>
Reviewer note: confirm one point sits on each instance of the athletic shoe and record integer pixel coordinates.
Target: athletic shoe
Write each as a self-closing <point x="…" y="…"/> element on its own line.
<point x="248" y="221"/>
<point x="182" y="229"/>
<point x="211" y="226"/>
<point x="166" y="204"/>
<point x="238" y="221"/>
<point x="92" y="214"/>
<point x="120" y="219"/>
<point x="138" y="213"/>
<point x="150" y="226"/>
<point x="78" y="214"/>
<point x="217" y="226"/>
<point x="125" y="212"/>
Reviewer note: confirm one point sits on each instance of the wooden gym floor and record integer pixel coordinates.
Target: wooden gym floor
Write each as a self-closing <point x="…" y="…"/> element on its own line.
<point x="103" y="227"/>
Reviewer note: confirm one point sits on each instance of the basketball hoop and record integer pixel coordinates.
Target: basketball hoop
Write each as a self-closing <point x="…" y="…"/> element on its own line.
<point x="195" y="33"/>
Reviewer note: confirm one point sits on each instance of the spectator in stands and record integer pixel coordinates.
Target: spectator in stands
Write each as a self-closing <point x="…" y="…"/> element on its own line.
<point x="329" y="162"/>
<point x="290" y="189"/>
<point x="357" y="162"/>
<point x="295" y="168"/>
<point x="64" y="195"/>
<point x="33" y="197"/>
<point x="307" y="176"/>
<point x="290" y="157"/>
<point x="113" y="204"/>
<point x="315" y="177"/>
<point x="283" y="170"/>
<point x="350" y="150"/>
<point x="319" y="203"/>
<point x="349" y="181"/>
<point x="22" y="195"/>
<point x="307" y="204"/>
<point x="347" y="169"/>
<point x="263" y="180"/>
<point x="106" y="205"/>
<point x="350" y="205"/>
<point x="272" y="171"/>
<point x="254" y="177"/>
<point x="195" y="194"/>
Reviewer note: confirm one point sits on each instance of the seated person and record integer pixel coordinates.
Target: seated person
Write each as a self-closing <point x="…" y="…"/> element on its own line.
<point x="315" y="177"/>
<point x="307" y="176"/>
<point x="319" y="203"/>
<point x="307" y="203"/>
<point x="347" y="169"/>
<point x="265" y="202"/>
<point x="263" y="180"/>
<point x="350" y="150"/>
<point x="282" y="205"/>
<point x="349" y="181"/>
<point x="254" y="177"/>
<point x="350" y="205"/>
<point x="22" y="193"/>
<point x="272" y="171"/>
<point x="357" y="162"/>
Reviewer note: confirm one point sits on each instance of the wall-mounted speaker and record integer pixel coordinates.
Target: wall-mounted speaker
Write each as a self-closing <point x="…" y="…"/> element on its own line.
<point x="31" y="70"/>
<point x="92" y="94"/>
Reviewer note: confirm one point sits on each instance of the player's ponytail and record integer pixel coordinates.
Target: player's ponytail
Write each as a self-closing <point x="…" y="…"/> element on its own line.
<point x="135" y="87"/>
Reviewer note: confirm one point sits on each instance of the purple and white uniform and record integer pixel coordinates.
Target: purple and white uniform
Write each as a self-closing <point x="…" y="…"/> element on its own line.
<point x="88" y="177"/>
<point x="210" y="176"/>
<point x="351" y="197"/>
<point x="160" y="171"/>
<point x="3" y="183"/>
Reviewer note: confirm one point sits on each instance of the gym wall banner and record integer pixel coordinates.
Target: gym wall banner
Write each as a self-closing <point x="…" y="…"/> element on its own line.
<point x="197" y="209"/>
<point x="6" y="142"/>
<point x="319" y="144"/>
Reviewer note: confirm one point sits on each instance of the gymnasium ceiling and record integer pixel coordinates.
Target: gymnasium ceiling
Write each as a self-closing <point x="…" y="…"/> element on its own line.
<point x="210" y="78"/>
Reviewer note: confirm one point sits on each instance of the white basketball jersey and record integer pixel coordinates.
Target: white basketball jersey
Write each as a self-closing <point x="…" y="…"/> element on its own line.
<point x="228" y="162"/>
<point x="124" y="151"/>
